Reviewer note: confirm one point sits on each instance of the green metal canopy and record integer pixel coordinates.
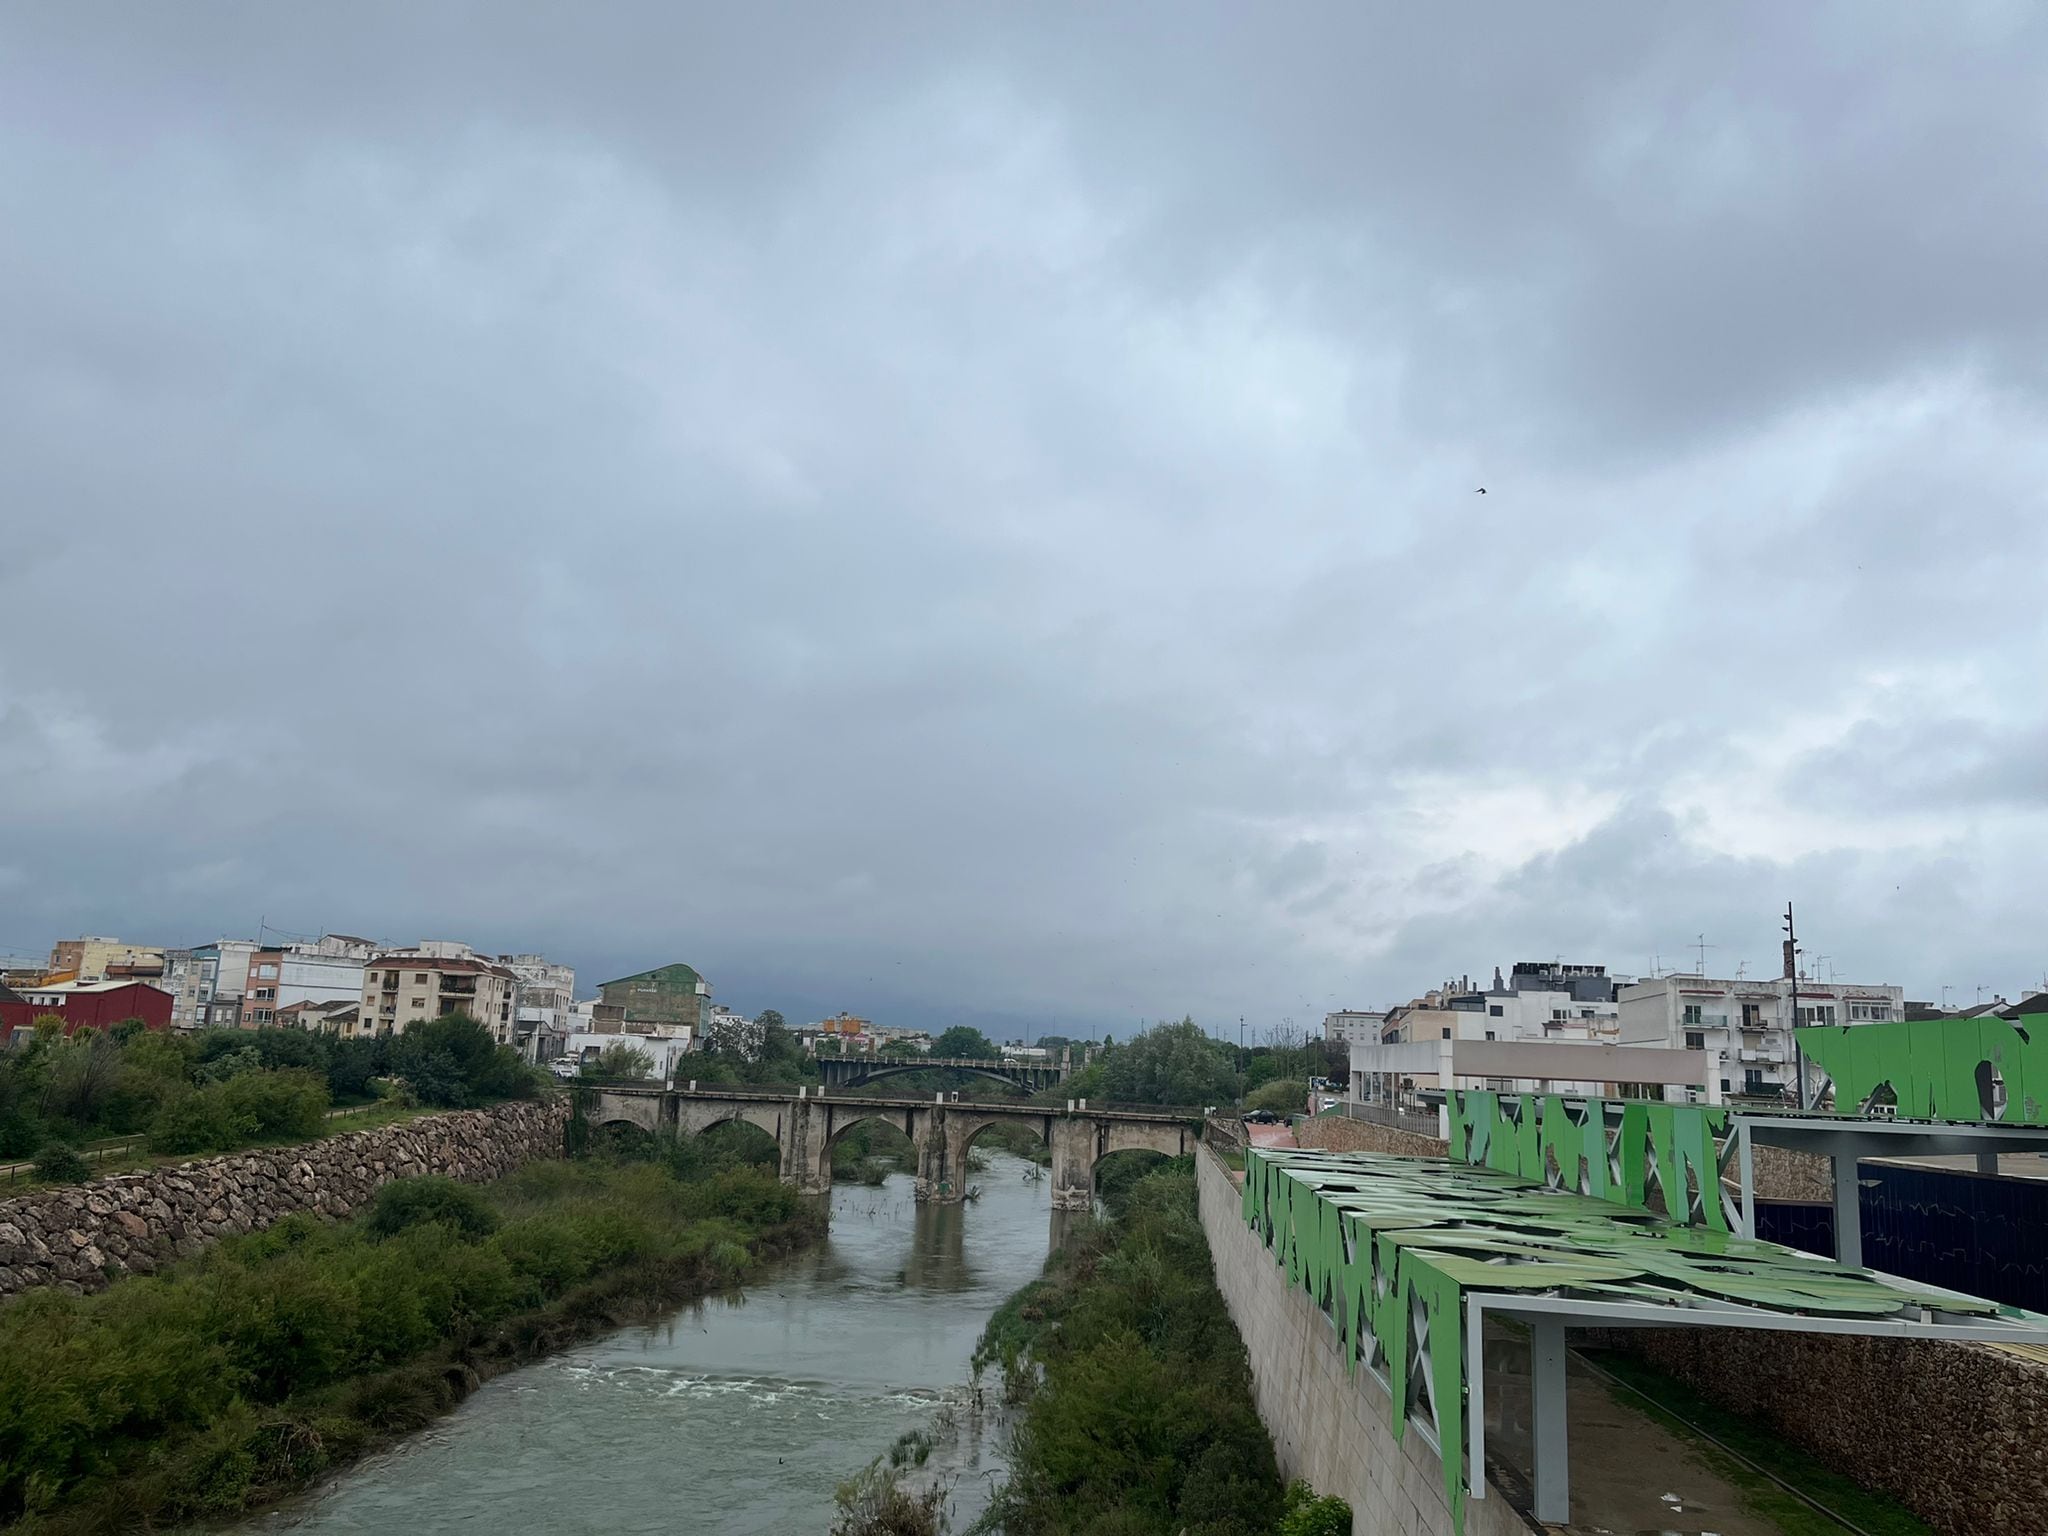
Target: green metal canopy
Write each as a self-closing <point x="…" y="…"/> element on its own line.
<point x="1406" y="1254"/>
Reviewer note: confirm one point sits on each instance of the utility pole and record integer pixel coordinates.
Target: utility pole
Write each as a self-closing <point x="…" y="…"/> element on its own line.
<point x="1792" y="975"/>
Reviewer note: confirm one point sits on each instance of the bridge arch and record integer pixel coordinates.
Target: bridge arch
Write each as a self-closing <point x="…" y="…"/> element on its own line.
<point x="700" y="1115"/>
<point x="965" y="1128"/>
<point x="842" y="1115"/>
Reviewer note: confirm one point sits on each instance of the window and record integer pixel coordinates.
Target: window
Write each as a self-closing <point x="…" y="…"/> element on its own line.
<point x="265" y="994"/>
<point x="1496" y="1011"/>
<point x="1752" y="1016"/>
<point x="419" y="977"/>
<point x="1559" y="1015"/>
<point x="1692" y="1013"/>
<point x="1817" y="1013"/>
<point x="1873" y="1013"/>
<point x="262" y="1015"/>
<point x="419" y="1003"/>
<point x="1447" y="1031"/>
<point x="1753" y="1082"/>
<point x="1491" y="1036"/>
<point x="1695" y="1040"/>
<point x="1585" y="1013"/>
<point x="1724" y="1085"/>
<point x="267" y="972"/>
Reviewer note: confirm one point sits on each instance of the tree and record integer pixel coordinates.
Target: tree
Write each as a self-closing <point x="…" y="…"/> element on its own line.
<point x="454" y="1062"/>
<point x="731" y="1035"/>
<point x="1281" y="1096"/>
<point x="623" y="1060"/>
<point x="964" y="1042"/>
<point x="1168" y="1064"/>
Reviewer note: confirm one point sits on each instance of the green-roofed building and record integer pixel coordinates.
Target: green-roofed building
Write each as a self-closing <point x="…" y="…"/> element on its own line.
<point x="653" y="1002"/>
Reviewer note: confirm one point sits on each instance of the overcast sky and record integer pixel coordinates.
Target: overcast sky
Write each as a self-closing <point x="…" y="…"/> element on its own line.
<point x="965" y="515"/>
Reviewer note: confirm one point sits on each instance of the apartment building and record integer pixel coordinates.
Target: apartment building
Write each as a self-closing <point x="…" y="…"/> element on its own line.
<point x="1748" y="1022"/>
<point x="1349" y="1024"/>
<point x="405" y="987"/>
<point x="329" y="970"/>
<point x="206" y="983"/>
<point x="541" y="1012"/>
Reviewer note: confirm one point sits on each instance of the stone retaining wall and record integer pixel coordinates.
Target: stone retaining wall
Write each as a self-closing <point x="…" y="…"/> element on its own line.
<point x="83" y="1236"/>
<point x="1785" y="1173"/>
<point x="1952" y="1431"/>
<point x="1336" y="1133"/>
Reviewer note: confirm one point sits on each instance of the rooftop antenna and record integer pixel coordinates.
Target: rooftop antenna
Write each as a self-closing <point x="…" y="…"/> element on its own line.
<point x="1741" y="969"/>
<point x="1700" y="943"/>
<point x="1818" y="962"/>
<point x="1945" y="990"/>
<point x="1981" y="990"/>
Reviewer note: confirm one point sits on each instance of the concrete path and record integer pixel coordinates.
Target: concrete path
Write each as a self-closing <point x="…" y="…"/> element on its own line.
<point x="1281" y="1135"/>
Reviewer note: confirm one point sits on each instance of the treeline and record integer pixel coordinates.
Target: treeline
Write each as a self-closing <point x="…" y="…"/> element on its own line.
<point x="228" y="1088"/>
<point x="1183" y="1064"/>
<point x="278" y="1357"/>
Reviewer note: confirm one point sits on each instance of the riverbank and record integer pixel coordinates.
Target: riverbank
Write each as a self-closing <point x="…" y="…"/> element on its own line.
<point x="1134" y="1395"/>
<point x="737" y="1414"/>
<point x="277" y="1358"/>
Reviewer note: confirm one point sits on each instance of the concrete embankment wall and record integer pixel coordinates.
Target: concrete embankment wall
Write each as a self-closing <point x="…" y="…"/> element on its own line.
<point x="1329" y="1427"/>
<point x="84" y="1236"/>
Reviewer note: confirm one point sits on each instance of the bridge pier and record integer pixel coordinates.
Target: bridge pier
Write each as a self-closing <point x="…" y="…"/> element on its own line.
<point x="1073" y="1164"/>
<point x="941" y="1159"/>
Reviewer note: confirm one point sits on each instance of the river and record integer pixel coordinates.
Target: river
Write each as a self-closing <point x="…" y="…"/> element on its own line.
<point x="733" y="1416"/>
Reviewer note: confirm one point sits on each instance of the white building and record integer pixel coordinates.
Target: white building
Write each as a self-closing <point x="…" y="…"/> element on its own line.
<point x="1539" y="1000"/>
<point x="1749" y="1023"/>
<point x="541" y="1013"/>
<point x="1349" y="1025"/>
<point x="667" y="1051"/>
<point x="327" y="971"/>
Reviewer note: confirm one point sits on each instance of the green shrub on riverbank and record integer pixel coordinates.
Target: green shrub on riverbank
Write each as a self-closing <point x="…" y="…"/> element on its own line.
<point x="278" y="1356"/>
<point x="1142" y="1424"/>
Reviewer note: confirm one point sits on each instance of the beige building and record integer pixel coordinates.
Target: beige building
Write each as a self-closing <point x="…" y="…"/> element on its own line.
<point x="95" y="959"/>
<point x="404" y="987"/>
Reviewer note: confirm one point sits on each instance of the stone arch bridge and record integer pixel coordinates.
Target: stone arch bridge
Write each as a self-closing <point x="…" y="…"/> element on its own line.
<point x="851" y="1071"/>
<point x="805" y="1123"/>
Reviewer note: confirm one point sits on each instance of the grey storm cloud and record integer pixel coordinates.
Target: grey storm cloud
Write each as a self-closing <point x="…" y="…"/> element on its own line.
<point x="969" y="514"/>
